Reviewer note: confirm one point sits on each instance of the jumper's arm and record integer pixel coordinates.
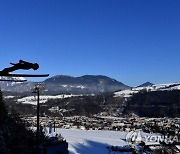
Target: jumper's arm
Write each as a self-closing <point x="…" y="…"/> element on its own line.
<point x="12" y="63"/>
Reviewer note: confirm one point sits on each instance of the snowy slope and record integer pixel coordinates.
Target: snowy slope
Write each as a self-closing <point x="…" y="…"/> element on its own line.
<point x="43" y="99"/>
<point x="157" y="87"/>
<point x="13" y="78"/>
<point x="92" y="141"/>
<point x="4" y="84"/>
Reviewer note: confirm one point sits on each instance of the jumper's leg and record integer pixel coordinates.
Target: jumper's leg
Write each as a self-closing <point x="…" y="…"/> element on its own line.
<point x="7" y="70"/>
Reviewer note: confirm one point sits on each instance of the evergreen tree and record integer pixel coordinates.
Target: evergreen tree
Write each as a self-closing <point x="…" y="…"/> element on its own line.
<point x="2" y="106"/>
<point x="15" y="137"/>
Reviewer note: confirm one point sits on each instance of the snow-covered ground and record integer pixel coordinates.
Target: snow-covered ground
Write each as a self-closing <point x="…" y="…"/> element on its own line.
<point x="71" y="86"/>
<point x="8" y="97"/>
<point x="43" y="99"/>
<point x="125" y="93"/>
<point x="92" y="141"/>
<point x="158" y="87"/>
<point x="100" y="141"/>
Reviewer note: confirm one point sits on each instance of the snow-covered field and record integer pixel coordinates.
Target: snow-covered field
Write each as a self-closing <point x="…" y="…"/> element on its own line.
<point x="92" y="141"/>
<point x="158" y="87"/>
<point x="43" y="99"/>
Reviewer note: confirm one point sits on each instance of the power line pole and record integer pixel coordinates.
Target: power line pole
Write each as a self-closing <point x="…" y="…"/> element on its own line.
<point x="37" y="89"/>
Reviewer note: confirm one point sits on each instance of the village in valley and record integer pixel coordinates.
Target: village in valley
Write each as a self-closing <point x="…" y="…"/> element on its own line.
<point x="136" y="133"/>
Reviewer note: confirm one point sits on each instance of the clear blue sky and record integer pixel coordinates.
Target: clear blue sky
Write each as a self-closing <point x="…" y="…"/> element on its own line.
<point x="133" y="41"/>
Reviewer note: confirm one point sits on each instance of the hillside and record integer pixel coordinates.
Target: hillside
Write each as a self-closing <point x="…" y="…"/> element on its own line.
<point x="151" y="101"/>
<point x="147" y="88"/>
<point x="154" y="104"/>
<point x="88" y="84"/>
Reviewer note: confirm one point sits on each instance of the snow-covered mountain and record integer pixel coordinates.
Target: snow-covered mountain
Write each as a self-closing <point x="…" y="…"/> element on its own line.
<point x="151" y="87"/>
<point x="88" y="84"/>
<point x="5" y="84"/>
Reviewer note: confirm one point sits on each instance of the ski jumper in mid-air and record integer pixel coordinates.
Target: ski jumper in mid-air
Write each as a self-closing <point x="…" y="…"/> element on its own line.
<point x="21" y="65"/>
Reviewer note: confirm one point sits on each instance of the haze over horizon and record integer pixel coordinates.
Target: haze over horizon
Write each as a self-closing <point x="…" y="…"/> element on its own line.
<point x="130" y="41"/>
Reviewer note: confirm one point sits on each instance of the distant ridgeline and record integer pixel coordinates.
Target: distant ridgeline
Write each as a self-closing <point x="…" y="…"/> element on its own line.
<point x="155" y="104"/>
<point x="87" y="84"/>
